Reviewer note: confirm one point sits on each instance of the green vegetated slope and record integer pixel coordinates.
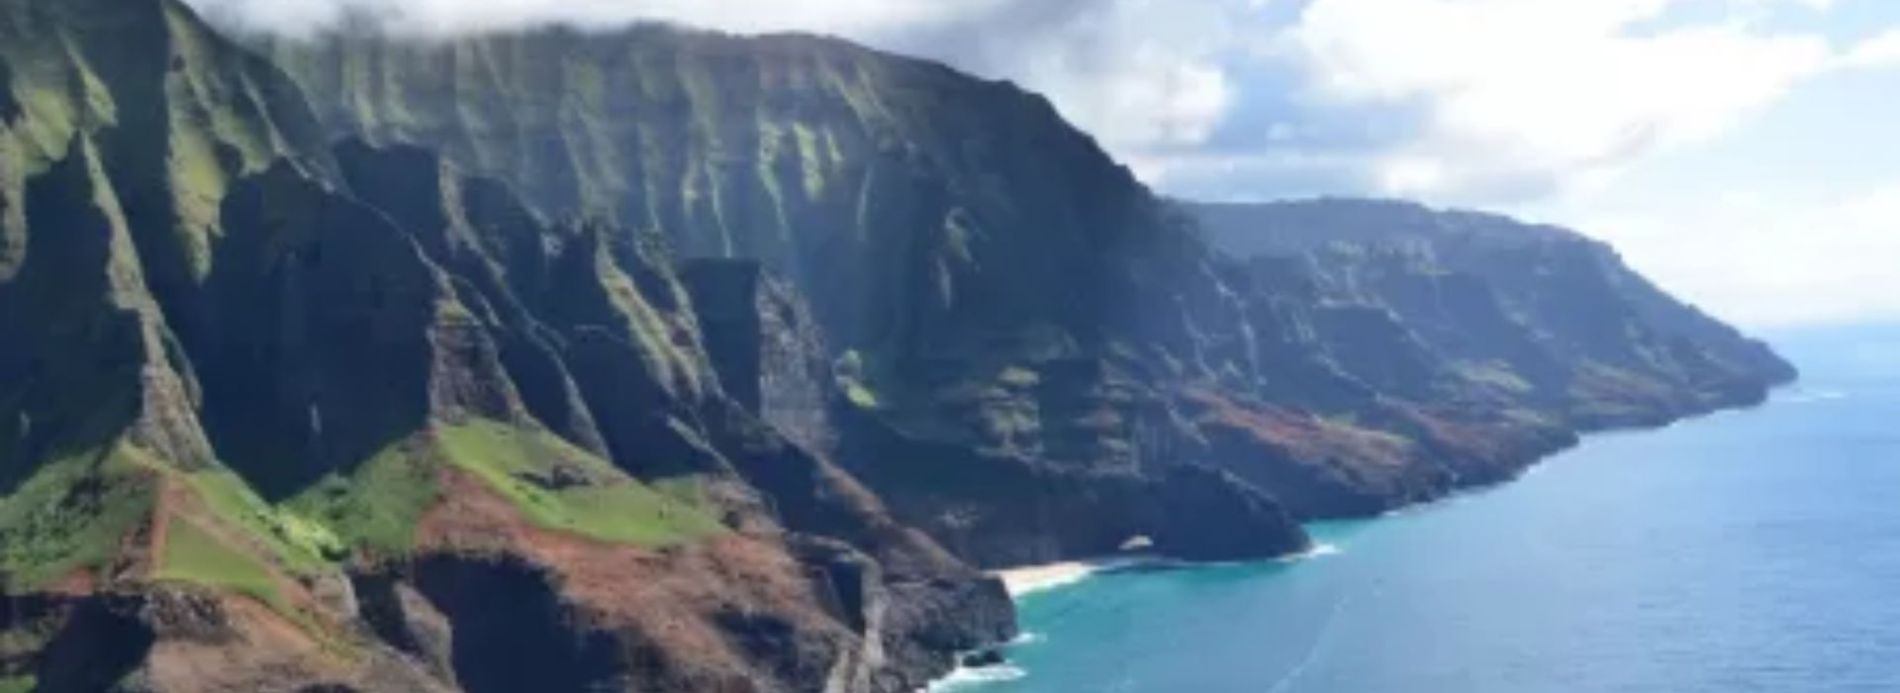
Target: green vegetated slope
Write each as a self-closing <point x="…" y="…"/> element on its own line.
<point x="108" y="162"/>
<point x="379" y="505"/>
<point x="241" y="366"/>
<point x="159" y="185"/>
<point x="193" y="554"/>
<point x="555" y="485"/>
<point x="50" y="528"/>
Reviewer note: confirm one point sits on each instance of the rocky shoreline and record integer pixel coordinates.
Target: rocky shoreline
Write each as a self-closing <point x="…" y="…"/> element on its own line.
<point x="990" y="664"/>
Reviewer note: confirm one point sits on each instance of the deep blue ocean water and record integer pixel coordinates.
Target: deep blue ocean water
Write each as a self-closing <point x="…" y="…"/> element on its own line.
<point x="1747" y="551"/>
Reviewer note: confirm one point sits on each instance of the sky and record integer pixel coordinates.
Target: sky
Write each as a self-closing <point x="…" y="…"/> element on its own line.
<point x="1740" y="152"/>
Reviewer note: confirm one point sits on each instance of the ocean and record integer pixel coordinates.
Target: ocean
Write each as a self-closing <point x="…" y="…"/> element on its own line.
<point x="1753" y="550"/>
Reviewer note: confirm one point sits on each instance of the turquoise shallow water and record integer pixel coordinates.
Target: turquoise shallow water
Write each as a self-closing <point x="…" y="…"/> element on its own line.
<point x="1747" y="551"/>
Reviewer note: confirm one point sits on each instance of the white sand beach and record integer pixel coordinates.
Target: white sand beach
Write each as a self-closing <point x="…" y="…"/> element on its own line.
<point x="1037" y="578"/>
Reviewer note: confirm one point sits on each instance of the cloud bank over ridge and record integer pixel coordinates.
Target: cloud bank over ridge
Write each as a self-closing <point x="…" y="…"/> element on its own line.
<point x="1540" y="107"/>
<point x="1480" y="101"/>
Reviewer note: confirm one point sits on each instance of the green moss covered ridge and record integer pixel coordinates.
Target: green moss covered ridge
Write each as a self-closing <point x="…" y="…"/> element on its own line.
<point x="222" y="356"/>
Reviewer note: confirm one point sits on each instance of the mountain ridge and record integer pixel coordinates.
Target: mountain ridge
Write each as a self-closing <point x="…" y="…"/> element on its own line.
<point x="727" y="360"/>
<point x="361" y="363"/>
<point x="1167" y="291"/>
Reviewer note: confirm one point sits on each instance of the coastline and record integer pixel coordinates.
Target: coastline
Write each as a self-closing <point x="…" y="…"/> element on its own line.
<point x="1019" y="582"/>
<point x="1029" y="579"/>
<point x="1022" y="581"/>
<point x="1025" y="580"/>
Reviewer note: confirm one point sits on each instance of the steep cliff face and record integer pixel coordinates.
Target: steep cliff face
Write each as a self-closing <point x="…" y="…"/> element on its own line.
<point x="913" y="204"/>
<point x="1032" y="358"/>
<point x="1481" y="343"/>
<point x="990" y="289"/>
<point x="1545" y="306"/>
<point x="277" y="416"/>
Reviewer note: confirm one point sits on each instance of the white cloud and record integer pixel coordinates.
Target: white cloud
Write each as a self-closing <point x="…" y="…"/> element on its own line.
<point x="1143" y="76"/>
<point x="1636" y="121"/>
<point x="1559" y="106"/>
<point x="1756" y="257"/>
<point x="1156" y="97"/>
<point x="1519" y="97"/>
<point x="1880" y="51"/>
<point x="1524" y="94"/>
<point x="455" y="16"/>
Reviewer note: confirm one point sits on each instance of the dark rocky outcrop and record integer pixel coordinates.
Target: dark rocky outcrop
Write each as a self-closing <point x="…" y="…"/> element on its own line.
<point x="769" y="353"/>
<point x="86" y="644"/>
<point x="985" y="658"/>
<point x="176" y="638"/>
<point x="530" y="640"/>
